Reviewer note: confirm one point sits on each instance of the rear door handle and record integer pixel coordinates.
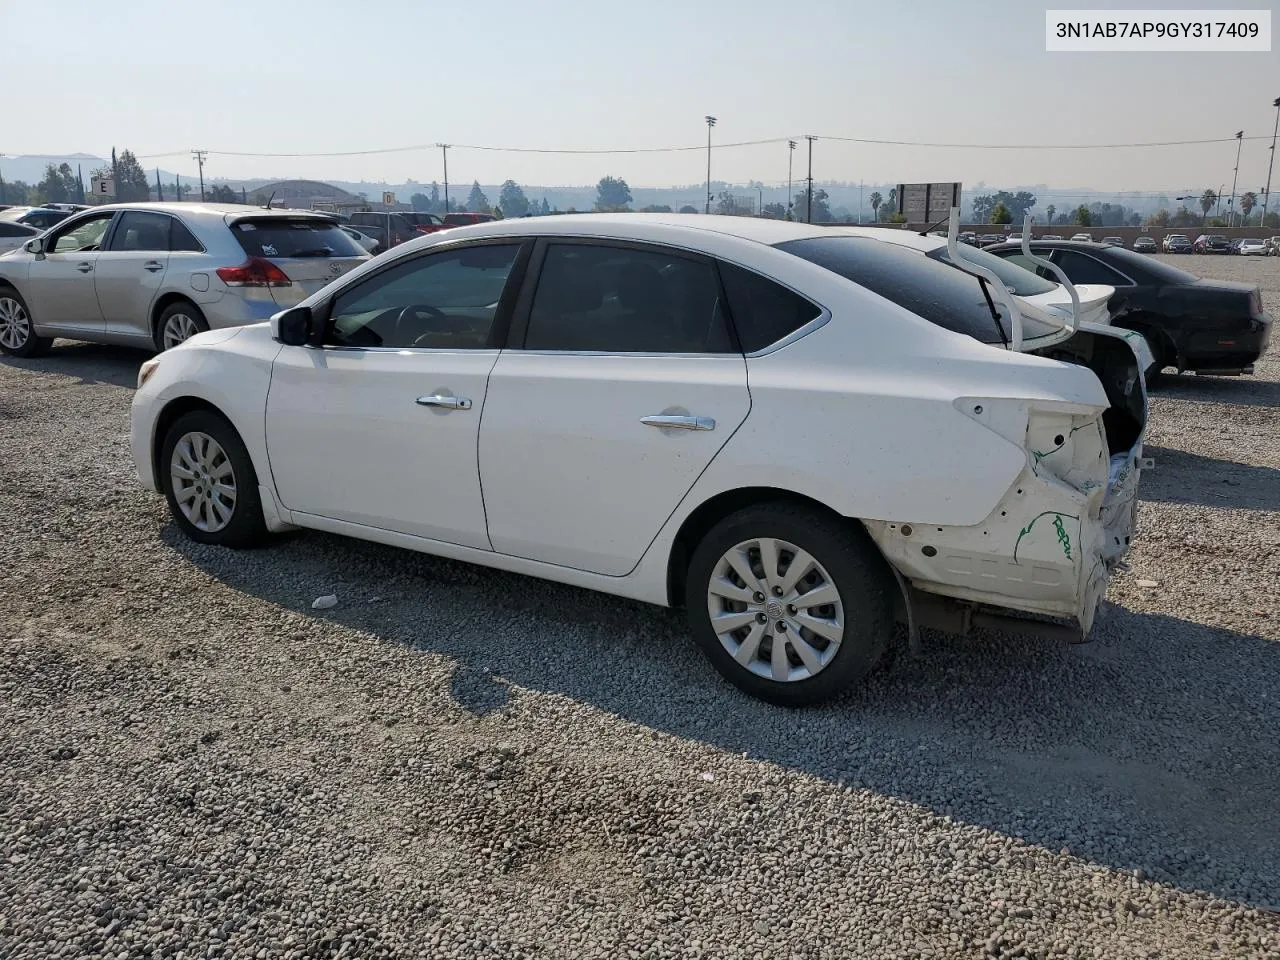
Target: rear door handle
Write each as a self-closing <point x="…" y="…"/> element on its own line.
<point x="153" y="265"/>
<point x="679" y="423"/>
<point x="84" y="267"/>
<point x="449" y="403"/>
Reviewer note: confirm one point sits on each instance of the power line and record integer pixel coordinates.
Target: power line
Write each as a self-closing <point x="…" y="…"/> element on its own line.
<point x="604" y="151"/>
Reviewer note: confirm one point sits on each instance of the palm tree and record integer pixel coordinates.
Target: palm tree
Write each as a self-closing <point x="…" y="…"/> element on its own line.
<point x="1050" y="212"/>
<point x="1207" y="201"/>
<point x="1247" y="203"/>
<point x="876" y="200"/>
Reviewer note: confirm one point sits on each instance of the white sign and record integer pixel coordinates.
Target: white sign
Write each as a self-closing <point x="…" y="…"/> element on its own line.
<point x="104" y="187"/>
<point x="388" y="198"/>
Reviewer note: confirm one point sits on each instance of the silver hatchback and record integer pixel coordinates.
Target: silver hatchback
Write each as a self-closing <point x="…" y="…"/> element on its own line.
<point x="154" y="274"/>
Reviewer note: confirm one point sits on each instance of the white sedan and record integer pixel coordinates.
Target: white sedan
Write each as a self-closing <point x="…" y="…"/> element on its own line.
<point x="793" y="432"/>
<point x="1254" y="247"/>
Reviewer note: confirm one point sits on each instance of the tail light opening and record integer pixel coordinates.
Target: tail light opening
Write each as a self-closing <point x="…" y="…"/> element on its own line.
<point x="254" y="272"/>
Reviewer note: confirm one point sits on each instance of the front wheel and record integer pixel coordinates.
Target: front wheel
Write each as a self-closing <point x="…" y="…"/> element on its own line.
<point x="791" y="605"/>
<point x="210" y="482"/>
<point x="17" y="335"/>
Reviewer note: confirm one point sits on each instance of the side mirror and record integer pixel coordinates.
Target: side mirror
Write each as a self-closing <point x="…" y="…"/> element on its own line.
<point x="34" y="245"/>
<point x="292" y="327"/>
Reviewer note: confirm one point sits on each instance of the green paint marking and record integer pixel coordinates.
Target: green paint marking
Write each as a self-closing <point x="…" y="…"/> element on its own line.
<point x="1062" y="535"/>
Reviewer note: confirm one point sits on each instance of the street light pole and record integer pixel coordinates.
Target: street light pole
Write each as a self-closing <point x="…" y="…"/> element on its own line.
<point x="1231" y="207"/>
<point x="1266" y="196"/>
<point x="808" y="202"/>
<point x="791" y="152"/>
<point x="711" y="122"/>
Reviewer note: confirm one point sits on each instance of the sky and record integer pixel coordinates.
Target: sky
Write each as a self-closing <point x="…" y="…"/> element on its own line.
<point x="323" y="76"/>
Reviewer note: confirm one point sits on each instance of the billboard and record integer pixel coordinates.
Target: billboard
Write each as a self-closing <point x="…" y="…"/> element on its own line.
<point x="927" y="202"/>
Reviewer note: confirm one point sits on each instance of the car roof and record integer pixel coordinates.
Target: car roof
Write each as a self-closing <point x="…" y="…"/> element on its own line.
<point x="220" y="210"/>
<point x="1065" y="244"/>
<point x="619" y="225"/>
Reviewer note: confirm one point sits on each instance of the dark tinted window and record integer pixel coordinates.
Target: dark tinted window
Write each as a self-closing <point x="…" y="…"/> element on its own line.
<point x="140" y="231"/>
<point x="284" y="237"/>
<point x="180" y="238"/>
<point x="1143" y="268"/>
<point x="935" y="291"/>
<point x="17" y="230"/>
<point x="445" y="300"/>
<point x="1082" y="268"/>
<point x="625" y="300"/>
<point x="763" y="312"/>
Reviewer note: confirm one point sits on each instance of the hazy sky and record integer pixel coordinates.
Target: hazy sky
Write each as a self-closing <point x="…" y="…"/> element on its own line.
<point x="335" y="75"/>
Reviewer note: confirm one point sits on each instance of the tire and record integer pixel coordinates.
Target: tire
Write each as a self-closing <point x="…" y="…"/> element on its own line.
<point x="214" y="520"/>
<point x="845" y="559"/>
<point x="17" y="336"/>
<point x="179" y="321"/>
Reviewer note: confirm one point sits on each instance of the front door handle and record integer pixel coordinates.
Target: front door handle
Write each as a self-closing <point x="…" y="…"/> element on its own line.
<point x="153" y="266"/>
<point x="449" y="403"/>
<point x="679" y="423"/>
<point x="84" y="267"/>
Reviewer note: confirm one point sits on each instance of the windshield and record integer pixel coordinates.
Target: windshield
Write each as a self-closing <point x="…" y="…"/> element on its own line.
<point x="1024" y="283"/>
<point x="931" y="289"/>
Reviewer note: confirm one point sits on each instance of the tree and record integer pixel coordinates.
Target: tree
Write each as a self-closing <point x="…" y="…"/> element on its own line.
<point x="688" y="209"/>
<point x="221" y="193"/>
<point x="1247" y="202"/>
<point x="477" y="202"/>
<point x="420" y="202"/>
<point x="511" y="200"/>
<point x="1049" y="212"/>
<point x="1082" y="216"/>
<point x="612" y="193"/>
<point x="1001" y="214"/>
<point x="775" y="211"/>
<point x="60" y="185"/>
<point x="821" y="212"/>
<point x="17" y="191"/>
<point x="1158" y="219"/>
<point x="1207" y="200"/>
<point x="656" y="208"/>
<point x="892" y="201"/>
<point x="876" y="200"/>
<point x="545" y="208"/>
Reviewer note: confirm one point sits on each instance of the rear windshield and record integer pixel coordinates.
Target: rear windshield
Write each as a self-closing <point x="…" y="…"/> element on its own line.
<point x="935" y="291"/>
<point x="1024" y="283"/>
<point x="289" y="237"/>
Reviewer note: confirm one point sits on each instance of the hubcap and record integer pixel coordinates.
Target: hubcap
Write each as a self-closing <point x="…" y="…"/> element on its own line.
<point x="204" y="483"/>
<point x="15" y="325"/>
<point x="178" y="328"/>
<point x="796" y="632"/>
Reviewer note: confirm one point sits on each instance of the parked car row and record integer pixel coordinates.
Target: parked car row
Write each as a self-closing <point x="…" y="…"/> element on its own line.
<point x="392" y="228"/>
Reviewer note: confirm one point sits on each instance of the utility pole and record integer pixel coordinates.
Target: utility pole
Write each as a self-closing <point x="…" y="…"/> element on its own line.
<point x="200" y="155"/>
<point x="760" y="202"/>
<point x="1231" y="207"/>
<point x="1266" y="196"/>
<point x="114" y="178"/>
<point x="444" y="149"/>
<point x="791" y="152"/>
<point x="2" y="192"/>
<point x="159" y="187"/>
<point x="808" y="203"/>
<point x="711" y="122"/>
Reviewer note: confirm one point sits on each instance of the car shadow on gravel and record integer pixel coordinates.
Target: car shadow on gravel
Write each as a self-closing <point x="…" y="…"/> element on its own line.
<point x="1181" y="477"/>
<point x="90" y="362"/>
<point x="1245" y="391"/>
<point x="1154" y="748"/>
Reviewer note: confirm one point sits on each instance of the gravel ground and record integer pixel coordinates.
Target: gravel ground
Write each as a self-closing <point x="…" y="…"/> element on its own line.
<point x="455" y="762"/>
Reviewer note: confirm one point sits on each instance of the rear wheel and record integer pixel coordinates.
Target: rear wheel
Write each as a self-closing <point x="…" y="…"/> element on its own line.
<point x="178" y="323"/>
<point x="17" y="335"/>
<point x="791" y="605"/>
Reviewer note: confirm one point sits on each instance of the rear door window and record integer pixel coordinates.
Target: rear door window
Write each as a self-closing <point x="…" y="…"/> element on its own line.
<point x="605" y="299"/>
<point x="139" y="230"/>
<point x="287" y="238"/>
<point x="935" y="291"/>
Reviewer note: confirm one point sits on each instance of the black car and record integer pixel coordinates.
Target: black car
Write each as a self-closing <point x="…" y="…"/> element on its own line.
<point x="1213" y="243"/>
<point x="1145" y="245"/>
<point x="1209" y="326"/>
<point x="389" y="229"/>
<point x="990" y="239"/>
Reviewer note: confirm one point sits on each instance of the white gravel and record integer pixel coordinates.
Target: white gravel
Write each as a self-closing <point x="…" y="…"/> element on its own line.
<point x="453" y="762"/>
